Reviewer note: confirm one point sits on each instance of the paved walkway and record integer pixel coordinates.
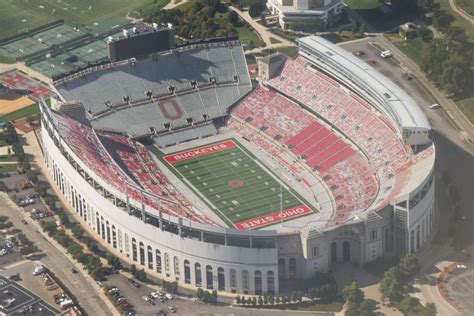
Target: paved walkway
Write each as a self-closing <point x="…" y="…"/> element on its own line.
<point x="461" y="12"/>
<point x="464" y="125"/>
<point x="173" y="4"/>
<point x="262" y="31"/>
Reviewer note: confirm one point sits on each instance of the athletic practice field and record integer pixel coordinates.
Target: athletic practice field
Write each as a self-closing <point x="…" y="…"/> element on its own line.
<point x="24" y="15"/>
<point x="244" y="193"/>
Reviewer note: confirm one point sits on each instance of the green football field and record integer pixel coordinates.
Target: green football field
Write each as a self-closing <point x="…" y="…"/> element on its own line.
<point x="240" y="189"/>
<point x="23" y="15"/>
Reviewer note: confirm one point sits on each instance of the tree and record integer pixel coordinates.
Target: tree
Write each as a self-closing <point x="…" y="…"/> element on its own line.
<point x="278" y="300"/>
<point x="328" y="293"/>
<point x="408" y="266"/>
<point x="424" y="33"/>
<point x="237" y="298"/>
<point x="233" y="18"/>
<point x="391" y="286"/>
<point x="256" y="8"/>
<point x="3" y="187"/>
<point x="254" y="301"/>
<point x="442" y="20"/>
<point x="114" y="262"/>
<point x="352" y="293"/>
<point x="271" y="300"/>
<point x="260" y="300"/>
<point x="367" y="308"/>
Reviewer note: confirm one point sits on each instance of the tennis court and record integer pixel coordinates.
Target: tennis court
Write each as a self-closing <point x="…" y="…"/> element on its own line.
<point x="243" y="192"/>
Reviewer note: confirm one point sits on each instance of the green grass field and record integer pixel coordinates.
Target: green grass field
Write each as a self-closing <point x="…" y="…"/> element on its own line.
<point x="7" y="167"/>
<point x="362" y="4"/>
<point x="23" y="15"/>
<point x="413" y="48"/>
<point x="237" y="186"/>
<point x="29" y="110"/>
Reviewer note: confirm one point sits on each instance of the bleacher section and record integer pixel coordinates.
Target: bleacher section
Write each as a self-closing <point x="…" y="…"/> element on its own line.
<point x="374" y="135"/>
<point x="127" y="166"/>
<point x="277" y="125"/>
<point x="222" y="61"/>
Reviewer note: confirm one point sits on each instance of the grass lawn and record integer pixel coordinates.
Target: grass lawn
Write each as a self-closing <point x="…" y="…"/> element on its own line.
<point x="6" y="60"/>
<point x="22" y="15"/>
<point x="466" y="5"/>
<point x="290" y="51"/>
<point x="7" y="168"/>
<point x="29" y="110"/>
<point x="413" y="48"/>
<point x="344" y="36"/>
<point x="315" y="306"/>
<point x="247" y="34"/>
<point x="238" y="187"/>
<point x="467" y="107"/>
<point x="7" y="158"/>
<point x="362" y="4"/>
<point x="459" y="21"/>
<point x="274" y="41"/>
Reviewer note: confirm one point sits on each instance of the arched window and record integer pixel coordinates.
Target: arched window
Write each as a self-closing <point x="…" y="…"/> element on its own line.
<point x="114" y="237"/>
<point x="134" y="250"/>
<point x="102" y="227"/>
<point x="158" y="260"/>
<point x="108" y="231"/>
<point x="197" y="274"/>
<point x="149" y="255"/>
<point x="97" y="219"/>
<point x="187" y="272"/>
<point x="245" y="281"/>
<point x="167" y="263"/>
<point x="220" y="279"/>
<point x="233" y="279"/>
<point x="258" y="282"/>
<point x="127" y="245"/>
<point x="176" y="266"/>
<point x="142" y="254"/>
<point x="270" y="282"/>
<point x="209" y="277"/>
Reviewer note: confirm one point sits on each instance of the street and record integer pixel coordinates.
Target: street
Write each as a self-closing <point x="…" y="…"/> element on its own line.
<point x="56" y="261"/>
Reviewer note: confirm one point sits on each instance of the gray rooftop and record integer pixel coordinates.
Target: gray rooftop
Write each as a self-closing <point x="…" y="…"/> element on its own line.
<point x="223" y="61"/>
<point x="390" y="98"/>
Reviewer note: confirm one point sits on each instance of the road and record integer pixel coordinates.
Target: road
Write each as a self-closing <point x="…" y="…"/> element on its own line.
<point x="56" y="261"/>
<point x="461" y="12"/>
<point x="465" y="126"/>
<point x="173" y="4"/>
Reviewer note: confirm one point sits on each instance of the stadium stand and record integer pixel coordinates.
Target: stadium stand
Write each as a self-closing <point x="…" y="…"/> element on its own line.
<point x="350" y="177"/>
<point x="126" y="166"/>
<point x="196" y="82"/>
<point x="348" y="112"/>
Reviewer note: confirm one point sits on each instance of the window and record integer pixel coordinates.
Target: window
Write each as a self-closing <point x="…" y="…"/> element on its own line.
<point x="373" y="234"/>
<point x="315" y="251"/>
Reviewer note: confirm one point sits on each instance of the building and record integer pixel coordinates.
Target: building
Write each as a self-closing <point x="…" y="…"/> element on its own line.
<point x="296" y="10"/>
<point x="354" y="151"/>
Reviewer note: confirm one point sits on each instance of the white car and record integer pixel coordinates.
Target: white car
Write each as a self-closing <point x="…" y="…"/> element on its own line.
<point x="154" y="294"/>
<point x="386" y="54"/>
<point x="461" y="266"/>
<point x="435" y="106"/>
<point x="169" y="296"/>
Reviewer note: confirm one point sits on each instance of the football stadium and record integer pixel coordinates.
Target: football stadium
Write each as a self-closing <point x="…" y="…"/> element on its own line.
<point x="181" y="164"/>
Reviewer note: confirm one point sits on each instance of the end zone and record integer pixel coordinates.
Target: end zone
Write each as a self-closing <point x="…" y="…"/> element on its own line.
<point x="270" y="219"/>
<point x="200" y="151"/>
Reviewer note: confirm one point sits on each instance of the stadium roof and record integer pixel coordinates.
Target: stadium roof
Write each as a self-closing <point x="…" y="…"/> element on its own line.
<point x="394" y="101"/>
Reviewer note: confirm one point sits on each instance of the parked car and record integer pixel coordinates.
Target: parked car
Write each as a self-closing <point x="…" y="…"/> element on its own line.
<point x="172" y="309"/>
<point x="435" y="106"/>
<point x="24" y="222"/>
<point x="169" y="296"/>
<point x="133" y="283"/>
<point x="386" y="54"/>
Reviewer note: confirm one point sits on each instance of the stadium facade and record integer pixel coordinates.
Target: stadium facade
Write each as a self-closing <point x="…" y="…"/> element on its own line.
<point x="351" y="143"/>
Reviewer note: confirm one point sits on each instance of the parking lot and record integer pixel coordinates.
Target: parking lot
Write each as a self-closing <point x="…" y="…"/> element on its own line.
<point x="27" y="197"/>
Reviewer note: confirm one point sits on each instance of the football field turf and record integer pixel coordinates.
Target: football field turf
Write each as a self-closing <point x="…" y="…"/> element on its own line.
<point x="239" y="188"/>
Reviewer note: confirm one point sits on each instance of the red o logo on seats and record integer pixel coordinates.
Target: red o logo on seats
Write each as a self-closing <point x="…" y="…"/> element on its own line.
<point x="173" y="113"/>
